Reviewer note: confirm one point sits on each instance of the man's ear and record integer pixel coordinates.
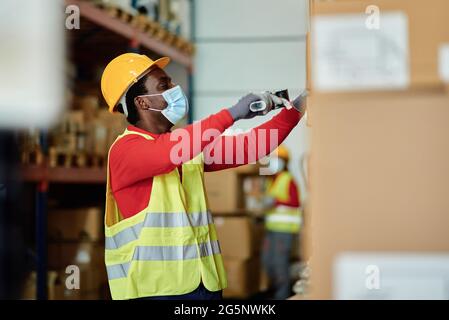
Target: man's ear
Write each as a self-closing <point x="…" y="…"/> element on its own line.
<point x="141" y="103"/>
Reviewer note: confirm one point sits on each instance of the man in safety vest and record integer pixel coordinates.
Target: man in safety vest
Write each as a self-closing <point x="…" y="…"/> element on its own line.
<point x="282" y="223"/>
<point x="160" y="240"/>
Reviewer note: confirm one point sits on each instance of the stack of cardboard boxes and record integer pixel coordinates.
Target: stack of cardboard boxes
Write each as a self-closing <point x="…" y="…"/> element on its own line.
<point x="75" y="256"/>
<point x="76" y="244"/>
<point x="379" y="165"/>
<point x="240" y="254"/>
<point x="380" y="175"/>
<point x="239" y="190"/>
<point x="239" y="231"/>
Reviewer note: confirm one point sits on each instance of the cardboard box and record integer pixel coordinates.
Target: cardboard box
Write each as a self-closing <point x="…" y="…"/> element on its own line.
<point x="115" y="124"/>
<point x="62" y="254"/>
<point x="243" y="237"/>
<point x="224" y="191"/>
<point x="88" y="257"/>
<point x="76" y="224"/>
<point x="236" y="237"/>
<point x="379" y="177"/>
<point x="243" y="277"/>
<point x="428" y="23"/>
<point x="103" y="131"/>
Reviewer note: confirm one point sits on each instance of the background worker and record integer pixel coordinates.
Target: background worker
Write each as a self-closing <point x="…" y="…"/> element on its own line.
<point x="161" y="242"/>
<point x="282" y="223"/>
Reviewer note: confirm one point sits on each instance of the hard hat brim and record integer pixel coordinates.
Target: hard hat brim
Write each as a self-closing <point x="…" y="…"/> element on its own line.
<point x="161" y="62"/>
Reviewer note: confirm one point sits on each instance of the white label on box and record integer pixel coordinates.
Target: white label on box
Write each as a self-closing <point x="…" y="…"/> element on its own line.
<point x="443" y="65"/>
<point x="391" y="276"/>
<point x="348" y="54"/>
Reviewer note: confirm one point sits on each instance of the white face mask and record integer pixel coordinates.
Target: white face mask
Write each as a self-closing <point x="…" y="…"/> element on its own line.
<point x="276" y="165"/>
<point x="177" y="104"/>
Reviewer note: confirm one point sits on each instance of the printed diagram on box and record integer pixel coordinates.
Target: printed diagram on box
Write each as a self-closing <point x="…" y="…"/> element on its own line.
<point x="349" y="56"/>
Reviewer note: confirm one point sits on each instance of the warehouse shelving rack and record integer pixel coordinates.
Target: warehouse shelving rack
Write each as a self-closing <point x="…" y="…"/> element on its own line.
<point x="104" y="20"/>
<point x="100" y="27"/>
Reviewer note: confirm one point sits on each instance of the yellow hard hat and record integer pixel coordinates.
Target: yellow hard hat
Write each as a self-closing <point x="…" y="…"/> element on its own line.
<point x="122" y="72"/>
<point x="282" y="152"/>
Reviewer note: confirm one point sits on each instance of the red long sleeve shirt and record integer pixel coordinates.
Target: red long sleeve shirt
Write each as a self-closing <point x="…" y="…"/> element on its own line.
<point x="134" y="160"/>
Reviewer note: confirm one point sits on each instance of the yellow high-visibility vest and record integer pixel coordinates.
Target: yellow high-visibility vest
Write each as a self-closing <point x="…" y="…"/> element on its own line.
<point x="282" y="218"/>
<point x="169" y="247"/>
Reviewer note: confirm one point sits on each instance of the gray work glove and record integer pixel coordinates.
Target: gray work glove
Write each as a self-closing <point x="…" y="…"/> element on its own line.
<point x="241" y="109"/>
<point x="300" y="102"/>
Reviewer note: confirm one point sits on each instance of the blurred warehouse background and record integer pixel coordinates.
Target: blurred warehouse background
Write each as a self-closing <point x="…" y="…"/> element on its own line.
<point x="371" y="158"/>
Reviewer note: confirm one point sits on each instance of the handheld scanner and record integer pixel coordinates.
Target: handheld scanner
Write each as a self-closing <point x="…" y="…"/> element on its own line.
<point x="261" y="105"/>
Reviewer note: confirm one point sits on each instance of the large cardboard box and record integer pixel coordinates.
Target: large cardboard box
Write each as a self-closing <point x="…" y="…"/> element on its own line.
<point x="243" y="277"/>
<point x="76" y="224"/>
<point x="428" y="29"/>
<point x="236" y="237"/>
<point x="379" y="177"/>
<point x="224" y="191"/>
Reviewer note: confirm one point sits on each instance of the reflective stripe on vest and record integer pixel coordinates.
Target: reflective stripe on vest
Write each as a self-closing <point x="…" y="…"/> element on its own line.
<point x="158" y="220"/>
<point x="166" y="253"/>
<point x="279" y="217"/>
<point x="284" y="220"/>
